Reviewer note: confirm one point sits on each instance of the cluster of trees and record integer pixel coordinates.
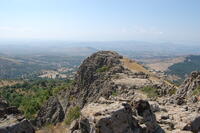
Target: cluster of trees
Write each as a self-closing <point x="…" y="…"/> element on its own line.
<point x="31" y="95"/>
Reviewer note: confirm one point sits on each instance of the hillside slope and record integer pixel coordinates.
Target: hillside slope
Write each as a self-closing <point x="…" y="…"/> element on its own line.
<point x="108" y="75"/>
<point x="184" y="68"/>
<point x="110" y="90"/>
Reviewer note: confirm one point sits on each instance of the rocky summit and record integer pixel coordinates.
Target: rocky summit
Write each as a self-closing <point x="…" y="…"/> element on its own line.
<point x="113" y="94"/>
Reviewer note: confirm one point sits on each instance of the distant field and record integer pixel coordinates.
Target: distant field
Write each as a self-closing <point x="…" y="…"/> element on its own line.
<point x="9" y="59"/>
<point x="29" y="66"/>
<point x="162" y="65"/>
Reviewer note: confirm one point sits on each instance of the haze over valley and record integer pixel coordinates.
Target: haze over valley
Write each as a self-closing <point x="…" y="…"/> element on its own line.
<point x="99" y="66"/>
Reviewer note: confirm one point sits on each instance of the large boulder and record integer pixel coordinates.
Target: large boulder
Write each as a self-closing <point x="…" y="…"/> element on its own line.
<point x="107" y="117"/>
<point x="6" y="110"/>
<point x="51" y="113"/>
<point x="147" y="117"/>
<point x="193" y="126"/>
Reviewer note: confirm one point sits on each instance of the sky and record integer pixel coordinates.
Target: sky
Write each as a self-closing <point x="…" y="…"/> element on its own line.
<point x="101" y="20"/>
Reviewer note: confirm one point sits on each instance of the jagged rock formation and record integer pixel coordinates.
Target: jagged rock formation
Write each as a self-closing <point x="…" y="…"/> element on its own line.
<point x="12" y="121"/>
<point x="94" y="74"/>
<point x="51" y="113"/>
<point x="187" y="89"/>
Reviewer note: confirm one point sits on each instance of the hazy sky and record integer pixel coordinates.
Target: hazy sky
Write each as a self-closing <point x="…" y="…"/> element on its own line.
<point x="100" y="20"/>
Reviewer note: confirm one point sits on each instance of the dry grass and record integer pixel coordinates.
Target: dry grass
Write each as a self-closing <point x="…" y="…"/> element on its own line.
<point x="60" y="128"/>
<point x="9" y="82"/>
<point x="133" y="65"/>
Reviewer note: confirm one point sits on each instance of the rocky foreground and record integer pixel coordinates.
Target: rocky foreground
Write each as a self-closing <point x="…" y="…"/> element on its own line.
<point x="118" y="95"/>
<point x="12" y="121"/>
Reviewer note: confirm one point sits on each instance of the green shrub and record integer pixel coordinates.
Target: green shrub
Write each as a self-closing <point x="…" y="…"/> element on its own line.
<point x="172" y="91"/>
<point x="150" y="91"/>
<point x="102" y="69"/>
<point x="114" y="93"/>
<point x="196" y="91"/>
<point x="31" y="95"/>
<point x="30" y="108"/>
<point x="73" y="114"/>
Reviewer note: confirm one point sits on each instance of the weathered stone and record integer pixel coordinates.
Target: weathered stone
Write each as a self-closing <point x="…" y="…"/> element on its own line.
<point x="94" y="74"/>
<point x="51" y="113"/>
<point x="154" y="106"/>
<point x="18" y="127"/>
<point x="191" y="83"/>
<point x="148" y="117"/>
<point x="74" y="126"/>
<point x="114" y="117"/>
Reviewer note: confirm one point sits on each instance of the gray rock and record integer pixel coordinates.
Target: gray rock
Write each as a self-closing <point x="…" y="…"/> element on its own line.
<point x="154" y="106"/>
<point x="194" y="126"/>
<point x="51" y="113"/>
<point x="93" y="78"/>
<point x="186" y="90"/>
<point x="74" y="126"/>
<point x="113" y="117"/>
<point x="19" y="127"/>
<point x="148" y="117"/>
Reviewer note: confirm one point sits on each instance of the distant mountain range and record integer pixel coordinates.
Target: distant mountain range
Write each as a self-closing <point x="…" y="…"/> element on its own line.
<point x="135" y="49"/>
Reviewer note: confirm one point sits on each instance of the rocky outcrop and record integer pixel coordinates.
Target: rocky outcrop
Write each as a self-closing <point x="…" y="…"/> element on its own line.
<point x="106" y="117"/>
<point x="6" y="110"/>
<point x="12" y="120"/>
<point x="51" y="113"/>
<point x="88" y="71"/>
<point x="92" y="81"/>
<point x="187" y="89"/>
<point x="94" y="76"/>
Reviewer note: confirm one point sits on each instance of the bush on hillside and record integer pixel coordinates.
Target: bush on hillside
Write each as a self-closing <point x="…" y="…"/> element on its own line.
<point x="73" y="114"/>
<point x="102" y="69"/>
<point x="150" y="91"/>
